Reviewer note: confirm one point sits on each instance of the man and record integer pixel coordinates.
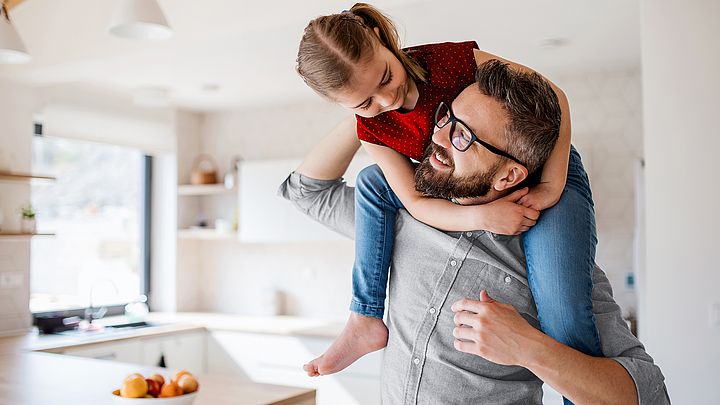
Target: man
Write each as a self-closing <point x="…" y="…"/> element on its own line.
<point x="462" y="322"/>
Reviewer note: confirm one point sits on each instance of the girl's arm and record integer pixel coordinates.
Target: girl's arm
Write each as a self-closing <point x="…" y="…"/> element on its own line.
<point x="503" y="216"/>
<point x="330" y="158"/>
<point x="554" y="174"/>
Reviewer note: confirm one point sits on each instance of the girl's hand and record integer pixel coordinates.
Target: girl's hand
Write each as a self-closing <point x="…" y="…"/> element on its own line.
<point x="505" y="216"/>
<point x="541" y="197"/>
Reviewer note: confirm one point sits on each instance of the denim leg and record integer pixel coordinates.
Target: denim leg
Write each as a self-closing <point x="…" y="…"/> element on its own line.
<point x="376" y="207"/>
<point x="560" y="256"/>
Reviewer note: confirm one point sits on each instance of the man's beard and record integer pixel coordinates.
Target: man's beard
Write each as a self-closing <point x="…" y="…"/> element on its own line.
<point x="444" y="185"/>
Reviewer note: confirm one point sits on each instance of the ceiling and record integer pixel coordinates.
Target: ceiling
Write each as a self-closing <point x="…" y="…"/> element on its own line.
<point x="233" y="53"/>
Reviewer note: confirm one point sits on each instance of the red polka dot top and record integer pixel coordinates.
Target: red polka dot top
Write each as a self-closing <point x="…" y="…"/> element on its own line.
<point x="450" y="68"/>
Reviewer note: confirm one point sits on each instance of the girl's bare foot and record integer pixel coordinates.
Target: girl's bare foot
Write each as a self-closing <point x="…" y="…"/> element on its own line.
<point x="361" y="335"/>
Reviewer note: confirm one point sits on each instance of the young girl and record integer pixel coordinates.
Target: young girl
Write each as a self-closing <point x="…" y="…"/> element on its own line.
<point x="353" y="58"/>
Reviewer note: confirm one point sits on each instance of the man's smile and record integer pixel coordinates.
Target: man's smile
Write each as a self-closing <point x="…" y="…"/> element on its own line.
<point x="439" y="160"/>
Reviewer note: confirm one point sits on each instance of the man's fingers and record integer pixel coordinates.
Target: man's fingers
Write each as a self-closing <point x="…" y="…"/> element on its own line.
<point x="463" y="333"/>
<point x="516" y="195"/>
<point x="485" y="297"/>
<point x="466" y="318"/>
<point x="462" y="346"/>
<point x="466" y="304"/>
<point x="531" y="213"/>
<point x="528" y="222"/>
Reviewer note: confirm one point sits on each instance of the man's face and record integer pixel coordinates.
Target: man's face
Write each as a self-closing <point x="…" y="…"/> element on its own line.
<point x="448" y="173"/>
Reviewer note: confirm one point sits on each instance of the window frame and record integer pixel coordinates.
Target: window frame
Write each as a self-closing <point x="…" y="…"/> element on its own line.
<point x="145" y="251"/>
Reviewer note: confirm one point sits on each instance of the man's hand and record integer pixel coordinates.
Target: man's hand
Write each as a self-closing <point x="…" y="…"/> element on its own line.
<point x="505" y="216"/>
<point x="541" y="197"/>
<point x="492" y="330"/>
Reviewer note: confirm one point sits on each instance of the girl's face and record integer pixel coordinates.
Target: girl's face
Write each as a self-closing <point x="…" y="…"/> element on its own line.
<point x="378" y="85"/>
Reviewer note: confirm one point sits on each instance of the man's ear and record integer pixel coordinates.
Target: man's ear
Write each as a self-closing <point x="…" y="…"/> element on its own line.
<point x="510" y="176"/>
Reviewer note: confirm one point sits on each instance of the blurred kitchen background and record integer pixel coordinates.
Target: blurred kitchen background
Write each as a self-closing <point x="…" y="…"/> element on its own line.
<point x="126" y="127"/>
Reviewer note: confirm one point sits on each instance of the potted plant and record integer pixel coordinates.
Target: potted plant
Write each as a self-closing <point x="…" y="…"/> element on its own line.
<point x="28" y="224"/>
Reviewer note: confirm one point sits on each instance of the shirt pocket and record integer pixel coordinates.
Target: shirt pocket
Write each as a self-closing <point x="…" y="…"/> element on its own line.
<point x="506" y="288"/>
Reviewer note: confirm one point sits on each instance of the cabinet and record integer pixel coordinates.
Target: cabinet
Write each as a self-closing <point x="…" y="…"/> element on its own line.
<point x="127" y="351"/>
<point x="178" y="351"/>
<point x="276" y="359"/>
<point x="186" y="350"/>
<point x="266" y="217"/>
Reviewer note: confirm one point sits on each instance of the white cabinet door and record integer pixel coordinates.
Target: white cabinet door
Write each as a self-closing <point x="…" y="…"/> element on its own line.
<point x="266" y="217"/>
<point x="127" y="351"/>
<point x="178" y="351"/>
<point x="275" y="359"/>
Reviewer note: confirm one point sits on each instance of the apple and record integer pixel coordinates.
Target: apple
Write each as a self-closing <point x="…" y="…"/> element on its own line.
<point x="153" y="387"/>
<point x="134" y="386"/>
<point x="133" y="375"/>
<point x="159" y="378"/>
<point x="188" y="383"/>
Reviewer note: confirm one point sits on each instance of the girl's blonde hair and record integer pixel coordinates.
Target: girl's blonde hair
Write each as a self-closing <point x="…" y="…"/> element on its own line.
<point x="333" y="45"/>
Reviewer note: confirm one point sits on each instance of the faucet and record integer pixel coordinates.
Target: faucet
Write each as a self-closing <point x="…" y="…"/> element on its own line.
<point x="89" y="313"/>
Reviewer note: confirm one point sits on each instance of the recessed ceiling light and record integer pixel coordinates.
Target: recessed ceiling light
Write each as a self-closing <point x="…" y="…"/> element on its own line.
<point x="140" y="19"/>
<point x="552" y="43"/>
<point x="210" y="87"/>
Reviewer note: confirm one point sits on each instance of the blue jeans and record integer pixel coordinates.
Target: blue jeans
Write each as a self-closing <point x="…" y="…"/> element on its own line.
<point x="376" y="207"/>
<point x="560" y="257"/>
<point x="559" y="251"/>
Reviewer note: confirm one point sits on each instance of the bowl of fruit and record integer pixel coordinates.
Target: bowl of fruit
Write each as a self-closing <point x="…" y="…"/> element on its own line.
<point x="181" y="389"/>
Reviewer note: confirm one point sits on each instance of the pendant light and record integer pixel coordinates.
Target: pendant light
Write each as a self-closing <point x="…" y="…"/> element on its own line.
<point x="140" y="19"/>
<point x="12" y="49"/>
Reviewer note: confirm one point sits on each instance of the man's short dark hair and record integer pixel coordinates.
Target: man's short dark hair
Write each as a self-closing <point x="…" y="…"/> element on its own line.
<point x="532" y="107"/>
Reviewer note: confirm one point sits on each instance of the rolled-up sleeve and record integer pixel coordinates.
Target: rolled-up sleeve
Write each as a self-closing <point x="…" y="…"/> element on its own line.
<point x="329" y="202"/>
<point x="619" y="344"/>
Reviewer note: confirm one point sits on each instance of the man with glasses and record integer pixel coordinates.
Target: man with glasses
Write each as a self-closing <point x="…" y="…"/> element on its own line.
<point x="449" y="340"/>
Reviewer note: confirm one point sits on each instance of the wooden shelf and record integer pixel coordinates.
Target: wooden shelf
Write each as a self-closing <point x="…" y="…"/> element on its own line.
<point x="23" y="177"/>
<point x="206" y="234"/>
<point x="204" y="189"/>
<point x="21" y="235"/>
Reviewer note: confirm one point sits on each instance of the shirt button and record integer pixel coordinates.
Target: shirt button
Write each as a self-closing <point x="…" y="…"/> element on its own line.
<point x="432" y="310"/>
<point x="508" y="279"/>
<point x="416" y="361"/>
<point x="453" y="262"/>
<point x="468" y="234"/>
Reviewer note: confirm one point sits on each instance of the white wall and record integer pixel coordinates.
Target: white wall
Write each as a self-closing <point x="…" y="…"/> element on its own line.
<point x="16" y="128"/>
<point x="606" y="112"/>
<point x="681" y="98"/>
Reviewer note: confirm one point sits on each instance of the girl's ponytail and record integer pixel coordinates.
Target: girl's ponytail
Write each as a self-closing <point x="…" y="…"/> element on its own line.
<point x="372" y="17"/>
<point x="333" y="45"/>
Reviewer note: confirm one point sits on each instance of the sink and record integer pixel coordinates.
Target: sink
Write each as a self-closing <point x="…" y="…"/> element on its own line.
<point x="141" y="324"/>
<point x="108" y="329"/>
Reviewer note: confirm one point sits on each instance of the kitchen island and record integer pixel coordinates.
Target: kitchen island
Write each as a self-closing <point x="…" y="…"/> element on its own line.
<point x="33" y="370"/>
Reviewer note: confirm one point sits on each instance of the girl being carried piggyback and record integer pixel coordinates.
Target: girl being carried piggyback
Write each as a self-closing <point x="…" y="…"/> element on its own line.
<point x="353" y="58"/>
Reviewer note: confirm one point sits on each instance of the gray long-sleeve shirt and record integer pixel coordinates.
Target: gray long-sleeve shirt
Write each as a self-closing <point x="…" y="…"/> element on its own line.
<point x="431" y="270"/>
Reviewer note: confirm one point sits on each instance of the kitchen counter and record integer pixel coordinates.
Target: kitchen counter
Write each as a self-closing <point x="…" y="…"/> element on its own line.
<point x="28" y="376"/>
<point x="272" y="325"/>
<point x="169" y="323"/>
<point x="44" y="378"/>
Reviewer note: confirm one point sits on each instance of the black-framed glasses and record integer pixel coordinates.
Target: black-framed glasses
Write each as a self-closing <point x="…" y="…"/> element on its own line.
<point x="461" y="136"/>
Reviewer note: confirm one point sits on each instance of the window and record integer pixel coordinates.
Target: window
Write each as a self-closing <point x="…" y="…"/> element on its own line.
<point x="98" y="208"/>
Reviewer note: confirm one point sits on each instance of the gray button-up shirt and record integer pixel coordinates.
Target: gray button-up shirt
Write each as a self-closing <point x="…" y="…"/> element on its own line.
<point x="431" y="270"/>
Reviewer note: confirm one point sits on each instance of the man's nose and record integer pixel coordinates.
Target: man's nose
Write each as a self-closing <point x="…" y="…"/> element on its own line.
<point x="440" y="136"/>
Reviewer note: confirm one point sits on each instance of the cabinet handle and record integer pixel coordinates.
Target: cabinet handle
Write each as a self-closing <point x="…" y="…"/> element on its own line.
<point x="109" y="356"/>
